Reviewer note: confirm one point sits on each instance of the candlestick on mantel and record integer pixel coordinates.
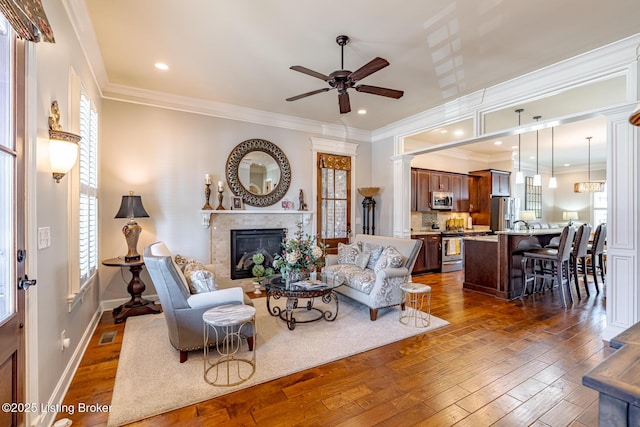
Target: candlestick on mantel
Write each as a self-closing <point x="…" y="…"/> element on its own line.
<point x="207" y="179"/>
<point x="207" y="195"/>
<point x="220" y="186"/>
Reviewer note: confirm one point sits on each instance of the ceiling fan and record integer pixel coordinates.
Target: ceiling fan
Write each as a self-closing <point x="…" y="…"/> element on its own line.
<point x="344" y="79"/>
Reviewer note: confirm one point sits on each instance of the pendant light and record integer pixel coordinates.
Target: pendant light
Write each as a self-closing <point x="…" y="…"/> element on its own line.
<point x="588" y="186"/>
<point x="519" y="174"/>
<point x="537" y="179"/>
<point x="553" y="183"/>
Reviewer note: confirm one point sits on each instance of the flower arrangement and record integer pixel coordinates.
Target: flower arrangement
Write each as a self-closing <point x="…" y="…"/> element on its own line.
<point x="299" y="252"/>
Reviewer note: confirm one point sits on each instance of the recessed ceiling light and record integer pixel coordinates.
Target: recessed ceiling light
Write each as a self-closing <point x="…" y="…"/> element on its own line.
<point x="514" y="147"/>
<point x="567" y="164"/>
<point x="161" y="66"/>
<point x="532" y="157"/>
<point x="444" y="131"/>
<point x="362" y="111"/>
<point x="458" y="132"/>
<point x="498" y="143"/>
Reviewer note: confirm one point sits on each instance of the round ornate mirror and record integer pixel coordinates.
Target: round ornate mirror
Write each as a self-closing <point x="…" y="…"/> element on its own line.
<point x="259" y="172"/>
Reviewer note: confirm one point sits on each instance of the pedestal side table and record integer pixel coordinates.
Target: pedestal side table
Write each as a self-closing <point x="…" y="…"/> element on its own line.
<point x="136" y="305"/>
<point x="415" y="295"/>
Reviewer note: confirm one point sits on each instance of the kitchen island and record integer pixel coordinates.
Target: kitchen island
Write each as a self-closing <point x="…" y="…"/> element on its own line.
<point x="492" y="263"/>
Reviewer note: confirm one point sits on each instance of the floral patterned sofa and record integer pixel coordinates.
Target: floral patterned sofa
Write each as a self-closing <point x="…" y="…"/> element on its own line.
<point x="374" y="268"/>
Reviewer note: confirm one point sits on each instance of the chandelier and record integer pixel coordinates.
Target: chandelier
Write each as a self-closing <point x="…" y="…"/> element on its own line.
<point x="588" y="186"/>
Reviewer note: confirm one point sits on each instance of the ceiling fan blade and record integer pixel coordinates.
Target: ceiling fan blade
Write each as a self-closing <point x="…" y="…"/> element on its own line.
<point x="304" y="95"/>
<point x="368" y="68"/>
<point x="309" y="72"/>
<point x="382" y="91"/>
<point x="343" y="101"/>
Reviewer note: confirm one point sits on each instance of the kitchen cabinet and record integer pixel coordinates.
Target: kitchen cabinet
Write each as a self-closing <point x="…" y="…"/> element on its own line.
<point x="433" y="257"/>
<point x="459" y="185"/>
<point x="429" y="257"/>
<point x="500" y="183"/>
<point x="440" y="181"/>
<point x="424" y="181"/>
<point x="490" y="182"/>
<point x="414" y="196"/>
<point x="421" y="190"/>
<point x="474" y="201"/>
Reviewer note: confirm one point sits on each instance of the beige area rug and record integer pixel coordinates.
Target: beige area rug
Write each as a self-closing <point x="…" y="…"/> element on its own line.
<point x="150" y="372"/>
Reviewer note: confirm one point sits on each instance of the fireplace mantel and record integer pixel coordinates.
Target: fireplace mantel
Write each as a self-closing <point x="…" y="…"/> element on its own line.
<point x="206" y="214"/>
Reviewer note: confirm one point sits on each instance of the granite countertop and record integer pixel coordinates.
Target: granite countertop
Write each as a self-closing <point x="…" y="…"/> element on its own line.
<point x="492" y="238"/>
<point x="426" y="231"/>
<point x="532" y="232"/>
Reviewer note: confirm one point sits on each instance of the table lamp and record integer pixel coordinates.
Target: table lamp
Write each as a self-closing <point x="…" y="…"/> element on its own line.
<point x="570" y="216"/>
<point x="131" y="207"/>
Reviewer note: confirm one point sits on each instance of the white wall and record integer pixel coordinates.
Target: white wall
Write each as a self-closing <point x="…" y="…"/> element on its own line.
<point x="54" y="62"/>
<point x="163" y="155"/>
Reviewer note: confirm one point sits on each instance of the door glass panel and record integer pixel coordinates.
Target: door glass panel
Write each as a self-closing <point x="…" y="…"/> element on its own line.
<point x="340" y="213"/>
<point x="5" y="87"/>
<point x="341" y="184"/>
<point x="328" y="220"/>
<point x="6" y="236"/>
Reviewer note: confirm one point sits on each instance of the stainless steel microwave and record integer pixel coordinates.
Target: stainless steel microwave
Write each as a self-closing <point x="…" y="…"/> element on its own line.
<point x="442" y="200"/>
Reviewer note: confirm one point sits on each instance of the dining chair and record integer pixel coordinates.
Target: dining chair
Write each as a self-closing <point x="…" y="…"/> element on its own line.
<point x="596" y="252"/>
<point x="549" y="264"/>
<point x="579" y="255"/>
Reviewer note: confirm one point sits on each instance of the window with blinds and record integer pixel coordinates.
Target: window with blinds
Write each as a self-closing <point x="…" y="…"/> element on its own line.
<point x="88" y="191"/>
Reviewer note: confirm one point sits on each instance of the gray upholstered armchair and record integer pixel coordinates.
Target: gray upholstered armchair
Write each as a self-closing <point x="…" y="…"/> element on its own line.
<point x="183" y="310"/>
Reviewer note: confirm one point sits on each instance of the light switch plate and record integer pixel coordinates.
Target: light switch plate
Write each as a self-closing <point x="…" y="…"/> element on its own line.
<point x="44" y="237"/>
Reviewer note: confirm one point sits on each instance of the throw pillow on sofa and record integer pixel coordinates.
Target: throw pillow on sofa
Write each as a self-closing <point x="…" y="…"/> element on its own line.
<point x="390" y="258"/>
<point x="198" y="278"/>
<point x="347" y="253"/>
<point x="362" y="260"/>
<point x="374" y="250"/>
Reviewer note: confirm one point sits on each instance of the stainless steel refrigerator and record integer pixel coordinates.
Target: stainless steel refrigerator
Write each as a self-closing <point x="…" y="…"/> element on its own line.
<point x="503" y="213"/>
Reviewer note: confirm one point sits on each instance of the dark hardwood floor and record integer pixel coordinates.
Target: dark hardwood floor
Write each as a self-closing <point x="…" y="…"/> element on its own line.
<point x="504" y="363"/>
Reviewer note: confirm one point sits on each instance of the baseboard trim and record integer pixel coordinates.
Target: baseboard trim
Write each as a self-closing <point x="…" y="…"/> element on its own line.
<point x="62" y="387"/>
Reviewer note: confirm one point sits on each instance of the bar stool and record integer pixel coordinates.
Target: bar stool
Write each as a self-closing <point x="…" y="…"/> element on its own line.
<point x="230" y="320"/>
<point x="549" y="264"/>
<point x="579" y="254"/>
<point x="596" y="251"/>
<point x="413" y="295"/>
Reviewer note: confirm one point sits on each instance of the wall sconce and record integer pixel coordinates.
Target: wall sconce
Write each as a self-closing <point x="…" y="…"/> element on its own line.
<point x="634" y="118"/>
<point x="63" y="146"/>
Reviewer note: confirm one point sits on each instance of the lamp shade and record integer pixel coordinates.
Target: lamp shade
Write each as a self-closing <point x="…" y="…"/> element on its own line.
<point x="569" y="215"/>
<point x="527" y="215"/>
<point x="131" y="207"/>
<point x="63" y="152"/>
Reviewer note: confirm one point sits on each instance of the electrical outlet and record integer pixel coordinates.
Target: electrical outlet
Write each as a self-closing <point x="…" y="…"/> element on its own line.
<point x="44" y="237"/>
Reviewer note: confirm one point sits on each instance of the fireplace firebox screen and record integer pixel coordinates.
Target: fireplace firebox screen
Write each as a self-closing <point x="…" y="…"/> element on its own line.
<point x="246" y="243"/>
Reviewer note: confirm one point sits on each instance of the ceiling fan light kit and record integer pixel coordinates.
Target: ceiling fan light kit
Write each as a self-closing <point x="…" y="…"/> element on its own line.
<point x="342" y="80"/>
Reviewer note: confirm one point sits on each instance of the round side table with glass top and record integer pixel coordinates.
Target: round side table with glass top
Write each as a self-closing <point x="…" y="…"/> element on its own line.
<point x="414" y="296"/>
<point x="224" y="328"/>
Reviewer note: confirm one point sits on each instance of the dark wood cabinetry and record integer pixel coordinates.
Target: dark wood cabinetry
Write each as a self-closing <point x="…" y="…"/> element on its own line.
<point x="440" y="181"/>
<point x="500" y="183"/>
<point x="429" y="257"/>
<point x="474" y="199"/>
<point x="420" y="190"/>
<point x="488" y="183"/>
<point x="424" y="181"/>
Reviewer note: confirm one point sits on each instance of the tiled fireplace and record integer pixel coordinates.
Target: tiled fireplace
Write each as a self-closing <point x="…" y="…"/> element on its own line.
<point x="223" y="222"/>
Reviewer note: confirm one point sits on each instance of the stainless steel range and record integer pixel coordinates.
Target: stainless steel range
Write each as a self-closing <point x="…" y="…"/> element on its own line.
<point x="452" y="251"/>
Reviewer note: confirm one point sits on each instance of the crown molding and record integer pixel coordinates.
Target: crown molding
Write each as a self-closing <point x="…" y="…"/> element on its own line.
<point x="606" y="61"/>
<point x="231" y="112"/>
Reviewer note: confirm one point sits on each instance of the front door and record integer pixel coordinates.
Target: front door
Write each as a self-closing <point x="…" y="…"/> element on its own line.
<point x="334" y="200"/>
<point x="12" y="336"/>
